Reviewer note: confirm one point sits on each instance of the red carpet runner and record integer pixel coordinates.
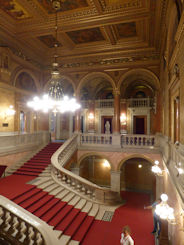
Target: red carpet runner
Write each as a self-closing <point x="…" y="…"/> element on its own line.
<point x="71" y="221"/>
<point x="132" y="214"/>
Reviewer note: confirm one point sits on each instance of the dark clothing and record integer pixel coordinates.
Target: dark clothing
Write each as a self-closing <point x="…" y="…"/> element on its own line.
<point x="156" y="219"/>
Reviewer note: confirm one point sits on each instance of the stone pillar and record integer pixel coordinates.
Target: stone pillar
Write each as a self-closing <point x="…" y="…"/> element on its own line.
<point x="115" y="180"/>
<point x="116" y="112"/>
<point x="70" y="125"/>
<point x="91" y="117"/>
<point x="77" y="121"/>
<point x="58" y="126"/>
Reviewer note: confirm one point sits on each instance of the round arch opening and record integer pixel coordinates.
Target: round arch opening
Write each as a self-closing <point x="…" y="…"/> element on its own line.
<point x="136" y="175"/>
<point x="96" y="169"/>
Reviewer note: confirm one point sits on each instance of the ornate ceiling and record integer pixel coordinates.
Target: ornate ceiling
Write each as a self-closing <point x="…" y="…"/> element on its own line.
<point x="90" y="32"/>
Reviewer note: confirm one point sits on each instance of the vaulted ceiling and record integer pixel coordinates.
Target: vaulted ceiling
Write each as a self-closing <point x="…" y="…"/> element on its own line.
<point x="90" y="32"/>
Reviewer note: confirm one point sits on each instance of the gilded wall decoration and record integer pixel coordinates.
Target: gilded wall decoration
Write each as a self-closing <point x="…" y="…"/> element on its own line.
<point x="14" y="9"/>
<point x="65" y="5"/>
<point x="24" y="81"/>
<point x="49" y="40"/>
<point x="126" y="29"/>
<point x="86" y="36"/>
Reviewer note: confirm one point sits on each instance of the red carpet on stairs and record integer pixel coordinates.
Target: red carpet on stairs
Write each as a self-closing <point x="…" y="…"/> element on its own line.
<point x="71" y="221"/>
<point x="39" y="162"/>
<point x="132" y="214"/>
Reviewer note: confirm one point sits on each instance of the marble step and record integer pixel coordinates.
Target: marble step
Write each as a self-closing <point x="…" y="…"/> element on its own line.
<point x="74" y="200"/>
<point x="81" y="204"/>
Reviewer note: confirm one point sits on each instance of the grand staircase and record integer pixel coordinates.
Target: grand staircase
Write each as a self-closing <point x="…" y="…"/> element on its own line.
<point x="69" y="214"/>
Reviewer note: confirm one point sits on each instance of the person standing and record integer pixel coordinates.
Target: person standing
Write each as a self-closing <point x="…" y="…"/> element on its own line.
<point x="125" y="236"/>
<point x="156" y="218"/>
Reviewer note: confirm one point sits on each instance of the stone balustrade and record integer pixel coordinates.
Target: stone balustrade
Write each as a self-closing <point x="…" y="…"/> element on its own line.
<point x="79" y="184"/>
<point x="96" y="139"/>
<point x="18" y="226"/>
<point x="140" y="102"/>
<point x="173" y="156"/>
<point x="14" y="142"/>
<point x="138" y="141"/>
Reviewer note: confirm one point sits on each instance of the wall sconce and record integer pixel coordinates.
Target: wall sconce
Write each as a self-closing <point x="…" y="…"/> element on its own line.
<point x="8" y="112"/>
<point x="123" y="119"/>
<point x="156" y="169"/>
<point x="91" y="116"/>
<point x="164" y="211"/>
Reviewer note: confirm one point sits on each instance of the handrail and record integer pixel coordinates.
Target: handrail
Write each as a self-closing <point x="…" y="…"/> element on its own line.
<point x="59" y="173"/>
<point x="138" y="140"/>
<point x="21" y="227"/>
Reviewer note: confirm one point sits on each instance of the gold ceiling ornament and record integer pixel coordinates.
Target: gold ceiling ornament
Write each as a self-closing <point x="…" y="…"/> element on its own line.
<point x="55" y="100"/>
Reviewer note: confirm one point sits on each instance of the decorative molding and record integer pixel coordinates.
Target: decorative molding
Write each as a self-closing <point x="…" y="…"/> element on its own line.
<point x="111" y="61"/>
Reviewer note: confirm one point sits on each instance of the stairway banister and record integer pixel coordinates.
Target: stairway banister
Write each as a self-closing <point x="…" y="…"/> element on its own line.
<point x="30" y="220"/>
<point x="58" y="161"/>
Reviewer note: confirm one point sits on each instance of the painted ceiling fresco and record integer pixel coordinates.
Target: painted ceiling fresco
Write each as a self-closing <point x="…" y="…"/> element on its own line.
<point x="65" y="5"/>
<point x="49" y="41"/>
<point x="14" y="9"/>
<point x="86" y="36"/>
<point x="126" y="29"/>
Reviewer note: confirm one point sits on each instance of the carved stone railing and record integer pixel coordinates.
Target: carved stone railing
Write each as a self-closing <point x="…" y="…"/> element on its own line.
<point x="140" y="102"/>
<point x="96" y="139"/>
<point x="138" y="141"/>
<point x="107" y="103"/>
<point x="18" y="226"/>
<point x="173" y="156"/>
<point x="77" y="183"/>
<point x="14" y="142"/>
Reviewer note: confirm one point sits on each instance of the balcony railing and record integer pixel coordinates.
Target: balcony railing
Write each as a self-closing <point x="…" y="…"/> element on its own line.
<point x="15" y="141"/>
<point x="140" y="102"/>
<point x="138" y="141"/>
<point x="109" y="103"/>
<point x="95" y="139"/>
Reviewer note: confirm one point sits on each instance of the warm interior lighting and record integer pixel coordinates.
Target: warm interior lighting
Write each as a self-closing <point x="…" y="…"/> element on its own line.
<point x="156" y="169"/>
<point x="10" y="111"/>
<point x="91" y="116"/>
<point x="123" y="119"/>
<point x="55" y="100"/>
<point x="156" y="162"/>
<point x="164" y="210"/>
<point x="106" y="164"/>
<point x="140" y="166"/>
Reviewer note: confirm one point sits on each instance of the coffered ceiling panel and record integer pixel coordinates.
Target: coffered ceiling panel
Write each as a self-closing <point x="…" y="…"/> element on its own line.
<point x="14" y="9"/>
<point x="86" y="36"/>
<point x="89" y="31"/>
<point x="49" y="41"/>
<point x="66" y="5"/>
<point x="126" y="29"/>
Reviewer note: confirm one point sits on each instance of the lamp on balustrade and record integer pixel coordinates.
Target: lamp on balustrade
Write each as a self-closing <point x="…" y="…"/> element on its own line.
<point x="156" y="169"/>
<point x="164" y="211"/>
<point x="55" y="100"/>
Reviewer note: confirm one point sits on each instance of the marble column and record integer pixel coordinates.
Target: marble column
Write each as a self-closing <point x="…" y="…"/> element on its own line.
<point x="77" y="121"/>
<point x="116" y="112"/>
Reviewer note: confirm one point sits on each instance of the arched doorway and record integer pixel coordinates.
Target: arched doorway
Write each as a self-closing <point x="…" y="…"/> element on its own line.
<point x="136" y="175"/>
<point x="96" y="169"/>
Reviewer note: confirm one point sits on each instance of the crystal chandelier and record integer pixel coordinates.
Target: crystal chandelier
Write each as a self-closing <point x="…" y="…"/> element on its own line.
<point x="55" y="100"/>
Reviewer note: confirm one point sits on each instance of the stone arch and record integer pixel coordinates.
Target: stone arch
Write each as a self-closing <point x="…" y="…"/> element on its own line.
<point x="92" y="154"/>
<point x="20" y="70"/>
<point x="93" y="75"/>
<point x="134" y="156"/>
<point x="145" y="74"/>
<point x="62" y="77"/>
